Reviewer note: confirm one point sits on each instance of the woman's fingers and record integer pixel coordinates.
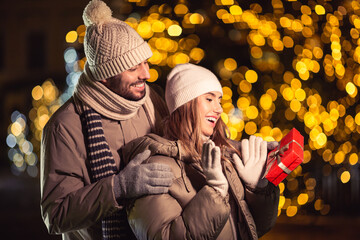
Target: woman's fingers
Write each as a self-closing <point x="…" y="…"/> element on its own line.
<point x="245" y="150"/>
<point x="216" y="157"/>
<point x="258" y="141"/>
<point x="252" y="144"/>
<point x="238" y="162"/>
<point x="263" y="151"/>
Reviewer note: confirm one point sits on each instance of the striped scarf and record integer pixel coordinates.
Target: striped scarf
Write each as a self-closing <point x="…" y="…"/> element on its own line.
<point x="102" y="164"/>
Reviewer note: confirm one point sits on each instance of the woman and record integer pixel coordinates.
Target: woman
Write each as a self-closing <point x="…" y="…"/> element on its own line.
<point x="207" y="199"/>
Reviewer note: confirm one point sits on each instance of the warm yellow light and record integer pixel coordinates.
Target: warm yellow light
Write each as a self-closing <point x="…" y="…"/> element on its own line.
<point x="310" y="183"/>
<point x="321" y="139"/>
<point x="285" y="22"/>
<point x="265" y="101"/>
<point x="181" y="9"/>
<point x="357" y="118"/>
<point x="319" y="204"/>
<point x="320" y="10"/>
<point x="233" y="133"/>
<point x="71" y="37"/>
<point x="181" y="58"/>
<point x="196" y="18"/>
<point x="251" y="76"/>
<point x="235" y="10"/>
<point x="16" y="129"/>
<point x="282" y="188"/>
<point x="288" y="42"/>
<point x="307" y="156"/>
<point x="230" y="64"/>
<point x="281" y="202"/>
<point x="258" y="39"/>
<point x="301" y="67"/>
<point x="272" y="93"/>
<point x="276" y="134"/>
<point x="144" y="29"/>
<point x="334" y="114"/>
<point x="339" y="157"/>
<point x="250" y="128"/>
<point x="156" y="58"/>
<point x="318" y="52"/>
<point x="225" y="117"/>
<point x="256" y="52"/>
<point x="37" y="92"/>
<point x="158" y="26"/>
<point x="345" y="177"/>
<point x="291" y="211"/>
<point x="252" y="112"/>
<point x="154" y="75"/>
<point x="174" y="30"/>
<point x="350" y="88"/>
<point x="227" y="2"/>
<point x="243" y="103"/>
<point x="353" y="159"/>
<point x="300" y="94"/>
<point x="295" y="105"/>
<point x="221" y="12"/>
<point x="278" y="45"/>
<point x="197" y="54"/>
<point x="288" y="94"/>
<point x="227" y="93"/>
<point x="43" y="120"/>
<point x="305" y="10"/>
<point x="302" y="198"/>
<point x="245" y="86"/>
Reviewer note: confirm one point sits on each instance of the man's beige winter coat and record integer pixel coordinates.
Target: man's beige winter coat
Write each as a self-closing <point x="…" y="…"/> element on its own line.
<point x="194" y="210"/>
<point x="70" y="204"/>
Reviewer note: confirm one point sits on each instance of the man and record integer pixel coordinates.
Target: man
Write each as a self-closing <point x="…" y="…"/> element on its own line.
<point x="84" y="183"/>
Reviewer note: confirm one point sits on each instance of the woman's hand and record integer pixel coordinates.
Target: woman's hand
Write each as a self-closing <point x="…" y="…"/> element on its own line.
<point x="211" y="164"/>
<point x="251" y="167"/>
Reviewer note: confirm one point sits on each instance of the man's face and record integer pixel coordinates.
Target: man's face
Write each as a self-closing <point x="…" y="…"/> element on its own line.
<point x="131" y="83"/>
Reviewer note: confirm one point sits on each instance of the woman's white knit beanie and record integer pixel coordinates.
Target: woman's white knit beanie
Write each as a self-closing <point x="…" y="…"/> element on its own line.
<point x="111" y="46"/>
<point x="186" y="82"/>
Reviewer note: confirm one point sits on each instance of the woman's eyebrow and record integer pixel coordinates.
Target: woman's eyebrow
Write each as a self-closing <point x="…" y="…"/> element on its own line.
<point x="212" y="94"/>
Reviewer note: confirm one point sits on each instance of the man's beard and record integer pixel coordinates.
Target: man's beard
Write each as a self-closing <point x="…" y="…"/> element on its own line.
<point x="127" y="94"/>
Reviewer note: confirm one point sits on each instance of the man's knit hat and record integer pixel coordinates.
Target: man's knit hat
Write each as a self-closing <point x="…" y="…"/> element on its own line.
<point x="186" y="82"/>
<point x="111" y="46"/>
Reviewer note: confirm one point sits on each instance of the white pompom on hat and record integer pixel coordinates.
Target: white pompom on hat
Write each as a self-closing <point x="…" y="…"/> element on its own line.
<point x="111" y="46"/>
<point x="186" y="82"/>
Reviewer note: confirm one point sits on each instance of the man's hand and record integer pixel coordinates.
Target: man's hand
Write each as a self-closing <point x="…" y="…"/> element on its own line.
<point x="211" y="164"/>
<point x="138" y="179"/>
<point x="252" y="165"/>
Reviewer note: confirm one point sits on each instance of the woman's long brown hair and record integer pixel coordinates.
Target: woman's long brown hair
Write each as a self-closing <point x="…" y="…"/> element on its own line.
<point x="184" y="125"/>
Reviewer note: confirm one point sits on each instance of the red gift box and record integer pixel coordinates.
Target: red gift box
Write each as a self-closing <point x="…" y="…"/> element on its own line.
<point x="285" y="158"/>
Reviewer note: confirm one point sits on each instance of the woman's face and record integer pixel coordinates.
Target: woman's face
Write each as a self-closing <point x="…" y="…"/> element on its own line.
<point x="210" y="110"/>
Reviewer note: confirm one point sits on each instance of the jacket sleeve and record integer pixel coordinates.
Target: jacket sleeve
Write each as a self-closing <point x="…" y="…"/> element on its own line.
<point x="263" y="205"/>
<point x="67" y="202"/>
<point x="162" y="217"/>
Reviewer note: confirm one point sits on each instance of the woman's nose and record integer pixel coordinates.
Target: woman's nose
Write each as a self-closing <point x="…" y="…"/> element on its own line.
<point x="218" y="108"/>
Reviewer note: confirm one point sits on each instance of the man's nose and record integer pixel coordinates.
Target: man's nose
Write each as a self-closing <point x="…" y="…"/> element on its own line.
<point x="144" y="71"/>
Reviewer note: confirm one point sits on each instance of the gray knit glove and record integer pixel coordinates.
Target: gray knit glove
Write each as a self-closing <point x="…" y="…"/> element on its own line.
<point x="211" y="164"/>
<point x="138" y="179"/>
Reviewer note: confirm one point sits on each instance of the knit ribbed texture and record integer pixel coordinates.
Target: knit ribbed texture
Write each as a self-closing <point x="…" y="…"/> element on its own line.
<point x="186" y="82"/>
<point x="109" y="104"/>
<point x="111" y="46"/>
<point x="102" y="165"/>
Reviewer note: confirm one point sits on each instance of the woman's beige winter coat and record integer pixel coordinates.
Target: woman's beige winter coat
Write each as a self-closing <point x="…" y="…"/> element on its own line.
<point x="194" y="210"/>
